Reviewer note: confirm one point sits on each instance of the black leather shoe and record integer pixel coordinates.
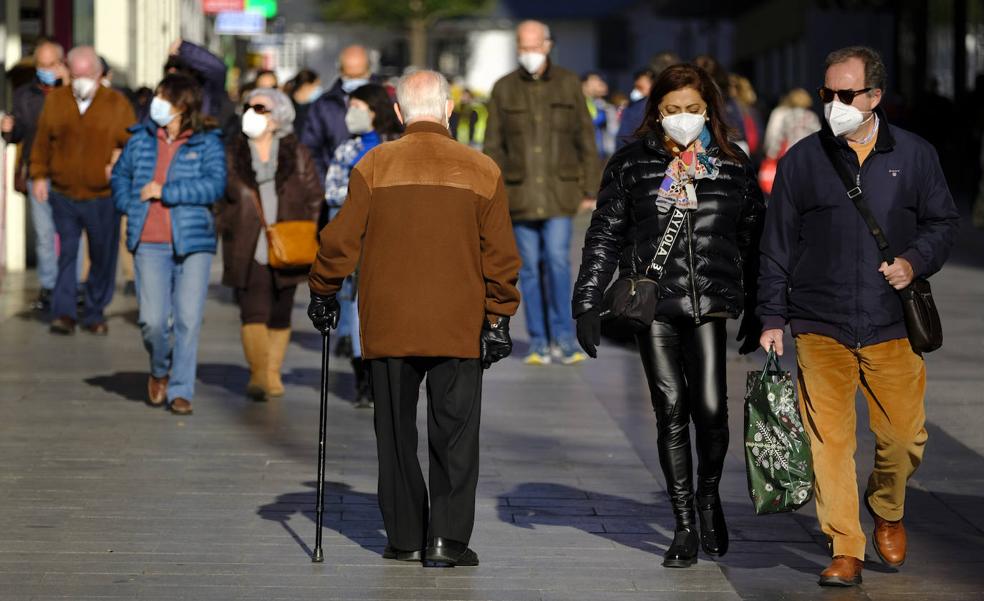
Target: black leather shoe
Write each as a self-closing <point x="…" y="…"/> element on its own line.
<point x="713" y="528"/>
<point x="445" y="553"/>
<point x="63" y="326"/>
<point x="391" y="552"/>
<point x="683" y="552"/>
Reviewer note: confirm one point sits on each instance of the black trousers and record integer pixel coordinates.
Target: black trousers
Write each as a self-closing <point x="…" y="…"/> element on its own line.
<point x="454" y="393"/>
<point x="686" y="370"/>
<point x="262" y="302"/>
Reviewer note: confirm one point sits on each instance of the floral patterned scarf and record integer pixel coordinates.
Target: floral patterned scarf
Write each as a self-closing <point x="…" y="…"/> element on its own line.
<point x="684" y="170"/>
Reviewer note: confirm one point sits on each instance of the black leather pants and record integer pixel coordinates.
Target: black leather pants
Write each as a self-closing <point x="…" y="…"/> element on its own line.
<point x="685" y="367"/>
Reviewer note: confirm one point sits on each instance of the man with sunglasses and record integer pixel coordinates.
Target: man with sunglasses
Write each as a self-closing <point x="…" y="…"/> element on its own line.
<point x="822" y="273"/>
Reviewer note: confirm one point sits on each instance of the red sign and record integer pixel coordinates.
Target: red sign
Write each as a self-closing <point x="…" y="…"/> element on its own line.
<point x="211" y="7"/>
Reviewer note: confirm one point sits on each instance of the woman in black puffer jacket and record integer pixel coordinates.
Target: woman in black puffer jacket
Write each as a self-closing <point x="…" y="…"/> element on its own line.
<point x="682" y="160"/>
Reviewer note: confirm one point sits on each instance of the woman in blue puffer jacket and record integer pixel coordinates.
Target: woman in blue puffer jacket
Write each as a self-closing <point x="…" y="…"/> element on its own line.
<point x="170" y="173"/>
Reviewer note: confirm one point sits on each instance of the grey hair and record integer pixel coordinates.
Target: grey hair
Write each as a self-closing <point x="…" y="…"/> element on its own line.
<point x="546" y="28"/>
<point x="89" y="53"/>
<point x="874" y="69"/>
<point x="58" y="48"/>
<point x="283" y="109"/>
<point x="423" y="93"/>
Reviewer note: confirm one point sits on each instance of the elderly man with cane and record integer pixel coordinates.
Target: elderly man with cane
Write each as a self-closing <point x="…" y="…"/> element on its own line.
<point x="430" y="219"/>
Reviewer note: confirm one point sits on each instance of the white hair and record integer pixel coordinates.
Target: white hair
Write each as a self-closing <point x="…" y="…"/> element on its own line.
<point x="423" y="94"/>
<point x="88" y="55"/>
<point x="544" y="26"/>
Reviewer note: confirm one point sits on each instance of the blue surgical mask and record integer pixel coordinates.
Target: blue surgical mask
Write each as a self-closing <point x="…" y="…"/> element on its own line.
<point x="160" y="111"/>
<point x="315" y="94"/>
<point x="47" y="77"/>
<point x="351" y="85"/>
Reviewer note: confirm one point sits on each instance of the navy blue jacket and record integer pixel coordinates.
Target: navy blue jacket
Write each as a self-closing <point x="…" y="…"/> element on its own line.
<point x="632" y="118"/>
<point x="196" y="178"/>
<point x="324" y="127"/>
<point x="819" y="262"/>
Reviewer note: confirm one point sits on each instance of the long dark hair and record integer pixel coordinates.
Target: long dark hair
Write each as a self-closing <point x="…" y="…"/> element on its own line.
<point x="682" y="76"/>
<point x="303" y="77"/>
<point x="184" y="92"/>
<point x="385" y="123"/>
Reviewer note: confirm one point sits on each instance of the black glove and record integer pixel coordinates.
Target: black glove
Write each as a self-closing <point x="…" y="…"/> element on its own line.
<point x="749" y="332"/>
<point x="495" y="341"/>
<point x="323" y="312"/>
<point x="589" y="332"/>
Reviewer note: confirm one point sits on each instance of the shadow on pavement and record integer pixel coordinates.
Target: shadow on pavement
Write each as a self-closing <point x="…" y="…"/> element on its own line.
<point x="131" y="385"/>
<point x="354" y="515"/>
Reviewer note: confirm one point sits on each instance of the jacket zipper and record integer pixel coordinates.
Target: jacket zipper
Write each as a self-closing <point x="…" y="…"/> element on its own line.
<point x="693" y="282"/>
<point x="857" y="272"/>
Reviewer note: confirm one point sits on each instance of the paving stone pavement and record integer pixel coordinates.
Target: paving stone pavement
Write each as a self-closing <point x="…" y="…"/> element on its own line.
<point x="102" y="497"/>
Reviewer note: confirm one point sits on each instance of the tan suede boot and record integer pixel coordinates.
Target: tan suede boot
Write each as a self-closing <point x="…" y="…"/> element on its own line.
<point x="279" y="338"/>
<point x="255" y="347"/>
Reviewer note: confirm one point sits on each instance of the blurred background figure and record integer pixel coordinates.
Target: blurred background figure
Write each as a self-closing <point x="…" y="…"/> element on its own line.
<point x="167" y="179"/>
<point x="634" y="114"/>
<point x="595" y="91"/>
<point x="371" y="120"/>
<point x="80" y="133"/>
<point x="20" y="127"/>
<point x="789" y="123"/>
<point x="266" y="78"/>
<point x="303" y="89"/>
<point x="210" y="73"/>
<point x="470" y="120"/>
<point x="733" y="117"/>
<point x="324" y="128"/>
<point x="751" y="118"/>
<point x="269" y="171"/>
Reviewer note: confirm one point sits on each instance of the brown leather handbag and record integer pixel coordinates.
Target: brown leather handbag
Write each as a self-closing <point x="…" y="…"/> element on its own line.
<point x="290" y="244"/>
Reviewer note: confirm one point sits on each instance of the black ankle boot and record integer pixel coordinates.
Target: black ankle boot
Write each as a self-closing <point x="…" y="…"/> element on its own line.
<point x="713" y="528"/>
<point x="683" y="552"/>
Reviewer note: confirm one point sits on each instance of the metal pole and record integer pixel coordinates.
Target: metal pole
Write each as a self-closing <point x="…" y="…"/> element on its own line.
<point x="318" y="555"/>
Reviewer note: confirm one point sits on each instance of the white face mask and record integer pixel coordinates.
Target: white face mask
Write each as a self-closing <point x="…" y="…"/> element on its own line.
<point x="532" y="61"/>
<point x="84" y="87"/>
<point x="160" y="111"/>
<point x="683" y="128"/>
<point x="358" y="120"/>
<point x="843" y="118"/>
<point x="636" y="95"/>
<point x="254" y="124"/>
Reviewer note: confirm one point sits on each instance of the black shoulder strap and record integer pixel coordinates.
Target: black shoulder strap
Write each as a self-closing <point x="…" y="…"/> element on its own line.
<point x="853" y="184"/>
<point x="666" y="242"/>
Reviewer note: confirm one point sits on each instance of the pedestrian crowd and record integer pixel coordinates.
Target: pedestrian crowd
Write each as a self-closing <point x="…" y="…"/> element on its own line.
<point x="420" y="215"/>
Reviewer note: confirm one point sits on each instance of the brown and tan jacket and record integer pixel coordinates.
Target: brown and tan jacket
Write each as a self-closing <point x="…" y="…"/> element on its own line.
<point x="74" y="149"/>
<point x="430" y="218"/>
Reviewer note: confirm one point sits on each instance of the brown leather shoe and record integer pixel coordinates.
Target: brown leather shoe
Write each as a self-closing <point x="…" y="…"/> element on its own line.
<point x="842" y="571"/>
<point x="98" y="329"/>
<point x="156" y="391"/>
<point x="62" y="325"/>
<point x="890" y="541"/>
<point x="180" y="406"/>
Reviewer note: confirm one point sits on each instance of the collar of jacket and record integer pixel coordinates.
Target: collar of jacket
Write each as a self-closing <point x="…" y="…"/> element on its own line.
<point x="655" y="144"/>
<point x="884" y="143"/>
<point x="427" y="127"/>
<point x="150" y="127"/>
<point x="523" y="73"/>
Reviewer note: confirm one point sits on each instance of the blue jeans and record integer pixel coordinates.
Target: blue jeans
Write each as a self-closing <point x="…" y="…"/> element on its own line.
<point x="548" y="241"/>
<point x="101" y="222"/>
<point x="171" y="293"/>
<point x="45" y="248"/>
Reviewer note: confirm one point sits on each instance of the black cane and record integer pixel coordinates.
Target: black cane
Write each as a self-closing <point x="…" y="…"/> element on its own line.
<point x="319" y="509"/>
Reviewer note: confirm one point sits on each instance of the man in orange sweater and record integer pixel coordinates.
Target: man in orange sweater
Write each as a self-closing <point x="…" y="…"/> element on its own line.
<point x="430" y="219"/>
<point x="81" y="131"/>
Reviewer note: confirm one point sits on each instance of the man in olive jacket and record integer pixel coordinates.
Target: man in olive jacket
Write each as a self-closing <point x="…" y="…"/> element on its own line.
<point x="541" y="136"/>
<point x="430" y="220"/>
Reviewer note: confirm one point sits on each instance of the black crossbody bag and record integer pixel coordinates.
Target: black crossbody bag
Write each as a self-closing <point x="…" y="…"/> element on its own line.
<point x="629" y="304"/>
<point x="922" y="319"/>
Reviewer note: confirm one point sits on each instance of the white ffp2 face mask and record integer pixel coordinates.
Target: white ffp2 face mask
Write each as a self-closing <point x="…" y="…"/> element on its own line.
<point x="532" y="61"/>
<point x="84" y="87"/>
<point x="254" y="124"/>
<point x="843" y="118"/>
<point x="683" y="128"/>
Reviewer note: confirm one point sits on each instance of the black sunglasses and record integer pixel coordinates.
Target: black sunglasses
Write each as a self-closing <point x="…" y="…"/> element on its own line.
<point x="258" y="108"/>
<point x="845" y="96"/>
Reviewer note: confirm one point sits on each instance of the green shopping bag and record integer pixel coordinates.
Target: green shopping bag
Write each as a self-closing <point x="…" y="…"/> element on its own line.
<point x="777" y="451"/>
